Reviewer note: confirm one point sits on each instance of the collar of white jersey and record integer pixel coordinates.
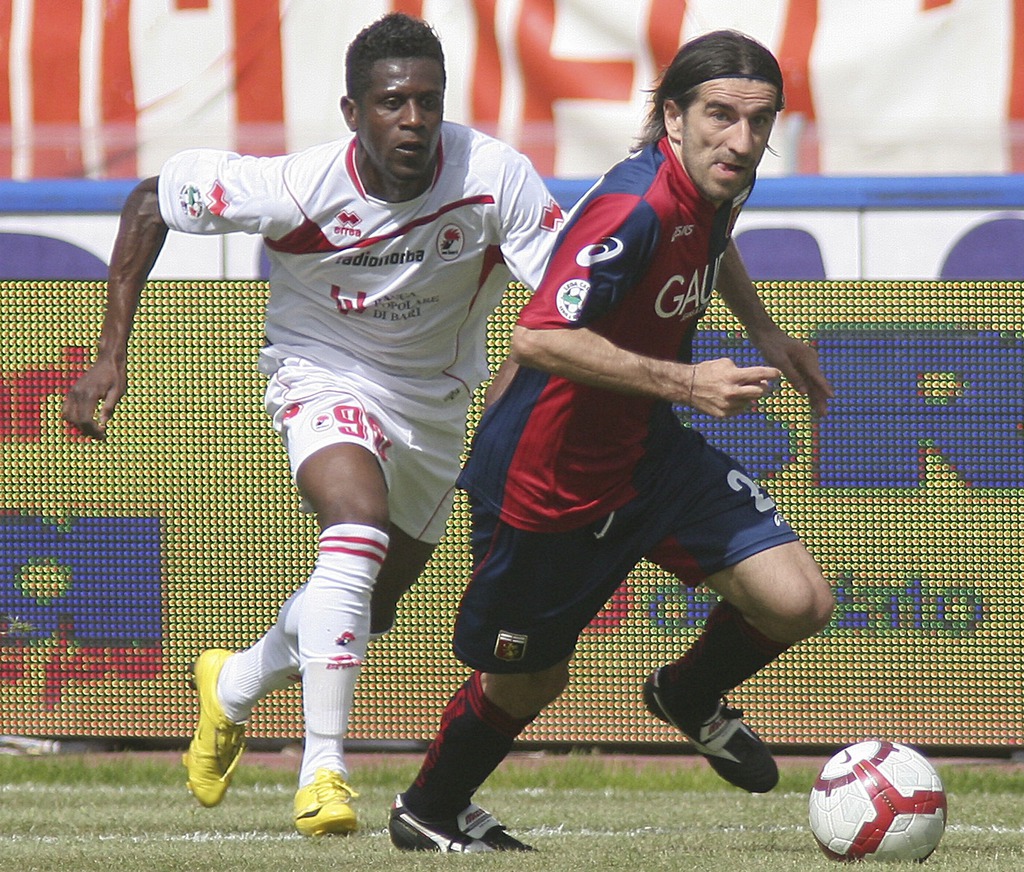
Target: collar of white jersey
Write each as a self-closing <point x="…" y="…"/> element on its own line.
<point x="353" y="171"/>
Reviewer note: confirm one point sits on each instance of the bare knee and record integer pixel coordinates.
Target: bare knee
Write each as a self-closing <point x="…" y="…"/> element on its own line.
<point x="781" y="592"/>
<point x="526" y="694"/>
<point x="816" y="611"/>
<point x="799" y="615"/>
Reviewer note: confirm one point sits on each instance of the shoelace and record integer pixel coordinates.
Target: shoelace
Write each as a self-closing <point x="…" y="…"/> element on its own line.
<point x="327" y="788"/>
<point x="720" y="720"/>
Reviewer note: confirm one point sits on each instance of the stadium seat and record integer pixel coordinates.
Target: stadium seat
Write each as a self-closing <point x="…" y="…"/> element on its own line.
<point x="780" y="254"/>
<point x="993" y="250"/>
<point x="27" y="256"/>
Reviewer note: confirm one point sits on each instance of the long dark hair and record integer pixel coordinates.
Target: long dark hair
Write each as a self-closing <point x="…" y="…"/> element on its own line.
<point x="721" y="54"/>
<point x="394" y="36"/>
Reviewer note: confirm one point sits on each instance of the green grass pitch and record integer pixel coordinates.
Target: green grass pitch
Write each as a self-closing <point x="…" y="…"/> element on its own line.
<point x="130" y="811"/>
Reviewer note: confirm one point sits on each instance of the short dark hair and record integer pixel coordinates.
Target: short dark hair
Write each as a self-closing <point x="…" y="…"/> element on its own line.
<point x="721" y="54"/>
<point x="394" y="36"/>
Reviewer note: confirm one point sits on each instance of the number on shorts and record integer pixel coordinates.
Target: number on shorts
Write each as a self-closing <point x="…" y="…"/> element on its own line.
<point x="350" y="421"/>
<point x="738" y="481"/>
<point x="353" y="422"/>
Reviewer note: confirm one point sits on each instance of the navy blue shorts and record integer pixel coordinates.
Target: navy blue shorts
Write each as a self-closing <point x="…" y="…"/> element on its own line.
<point x="532" y="594"/>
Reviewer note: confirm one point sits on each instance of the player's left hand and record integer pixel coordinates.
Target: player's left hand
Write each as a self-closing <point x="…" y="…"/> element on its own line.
<point x="798" y="361"/>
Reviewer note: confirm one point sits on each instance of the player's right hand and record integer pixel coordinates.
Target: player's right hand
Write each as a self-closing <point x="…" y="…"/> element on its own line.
<point x="721" y="389"/>
<point x="90" y="404"/>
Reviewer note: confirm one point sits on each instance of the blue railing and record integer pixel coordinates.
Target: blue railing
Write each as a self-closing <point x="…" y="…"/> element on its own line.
<point x="79" y="196"/>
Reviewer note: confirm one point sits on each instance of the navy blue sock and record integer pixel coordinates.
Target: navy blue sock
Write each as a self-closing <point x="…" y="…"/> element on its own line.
<point x="474" y="737"/>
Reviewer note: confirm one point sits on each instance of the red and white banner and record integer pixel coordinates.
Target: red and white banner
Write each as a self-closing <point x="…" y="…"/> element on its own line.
<point x="109" y="88"/>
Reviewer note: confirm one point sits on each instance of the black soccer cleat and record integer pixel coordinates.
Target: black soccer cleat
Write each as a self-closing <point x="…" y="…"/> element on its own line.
<point x="734" y="750"/>
<point x="473" y="831"/>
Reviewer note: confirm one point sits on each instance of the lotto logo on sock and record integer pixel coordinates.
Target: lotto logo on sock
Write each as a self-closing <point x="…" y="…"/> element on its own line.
<point x="510" y="646"/>
<point x="344" y="661"/>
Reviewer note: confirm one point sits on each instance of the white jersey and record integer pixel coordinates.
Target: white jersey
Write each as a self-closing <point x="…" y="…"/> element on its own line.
<point x="396" y="294"/>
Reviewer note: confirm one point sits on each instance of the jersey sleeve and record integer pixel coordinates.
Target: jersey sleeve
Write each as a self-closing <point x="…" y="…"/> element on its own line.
<point x="530" y="219"/>
<point x="601" y="255"/>
<point x="210" y="191"/>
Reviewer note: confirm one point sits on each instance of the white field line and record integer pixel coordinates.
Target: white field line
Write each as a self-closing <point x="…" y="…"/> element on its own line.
<point x="214" y="837"/>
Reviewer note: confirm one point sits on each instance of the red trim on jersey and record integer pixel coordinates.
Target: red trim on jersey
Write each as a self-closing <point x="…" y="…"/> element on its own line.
<point x="353" y="170"/>
<point x="479" y="200"/>
<point x="492" y="257"/>
<point x="308" y="238"/>
<point x="350" y="166"/>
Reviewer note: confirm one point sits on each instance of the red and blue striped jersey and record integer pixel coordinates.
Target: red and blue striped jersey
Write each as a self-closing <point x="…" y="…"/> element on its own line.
<point x="636" y="263"/>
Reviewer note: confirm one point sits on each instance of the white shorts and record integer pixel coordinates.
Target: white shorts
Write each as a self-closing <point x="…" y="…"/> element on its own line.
<point x="311" y="408"/>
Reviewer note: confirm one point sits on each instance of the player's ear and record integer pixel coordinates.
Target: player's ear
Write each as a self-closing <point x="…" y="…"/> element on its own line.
<point x="350" y="112"/>
<point x="673" y="115"/>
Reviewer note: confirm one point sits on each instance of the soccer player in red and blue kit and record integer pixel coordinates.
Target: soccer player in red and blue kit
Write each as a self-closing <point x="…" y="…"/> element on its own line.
<point x="580" y="468"/>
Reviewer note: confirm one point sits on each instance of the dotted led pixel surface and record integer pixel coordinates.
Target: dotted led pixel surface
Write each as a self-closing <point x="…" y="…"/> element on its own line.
<point x="120" y="560"/>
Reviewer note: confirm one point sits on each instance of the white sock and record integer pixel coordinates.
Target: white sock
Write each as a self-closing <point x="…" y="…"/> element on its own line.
<point x="333" y="631"/>
<point x="270" y="664"/>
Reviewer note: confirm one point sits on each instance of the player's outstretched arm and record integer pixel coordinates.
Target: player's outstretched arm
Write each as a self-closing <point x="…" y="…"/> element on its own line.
<point x="797" y="360"/>
<point x="716" y="387"/>
<point x="90" y="403"/>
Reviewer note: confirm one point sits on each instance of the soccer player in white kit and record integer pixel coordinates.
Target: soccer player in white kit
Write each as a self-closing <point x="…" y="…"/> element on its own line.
<point x="388" y="250"/>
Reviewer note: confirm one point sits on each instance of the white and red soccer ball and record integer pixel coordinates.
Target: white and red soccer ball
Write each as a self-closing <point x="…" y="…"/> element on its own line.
<point x="878" y="800"/>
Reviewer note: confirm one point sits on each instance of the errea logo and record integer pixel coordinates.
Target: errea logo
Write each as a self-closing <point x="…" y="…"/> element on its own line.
<point x="345" y="224"/>
<point x="553" y="217"/>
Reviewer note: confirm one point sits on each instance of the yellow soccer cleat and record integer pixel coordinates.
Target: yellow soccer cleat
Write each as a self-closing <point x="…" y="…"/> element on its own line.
<point x="217" y="743"/>
<point x="323" y="808"/>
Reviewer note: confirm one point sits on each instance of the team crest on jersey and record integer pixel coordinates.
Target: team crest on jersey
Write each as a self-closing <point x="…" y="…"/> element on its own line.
<point x="321" y="423"/>
<point x="570" y="298"/>
<point x="450" y="241"/>
<point x="510" y="646"/>
<point x="191" y="202"/>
